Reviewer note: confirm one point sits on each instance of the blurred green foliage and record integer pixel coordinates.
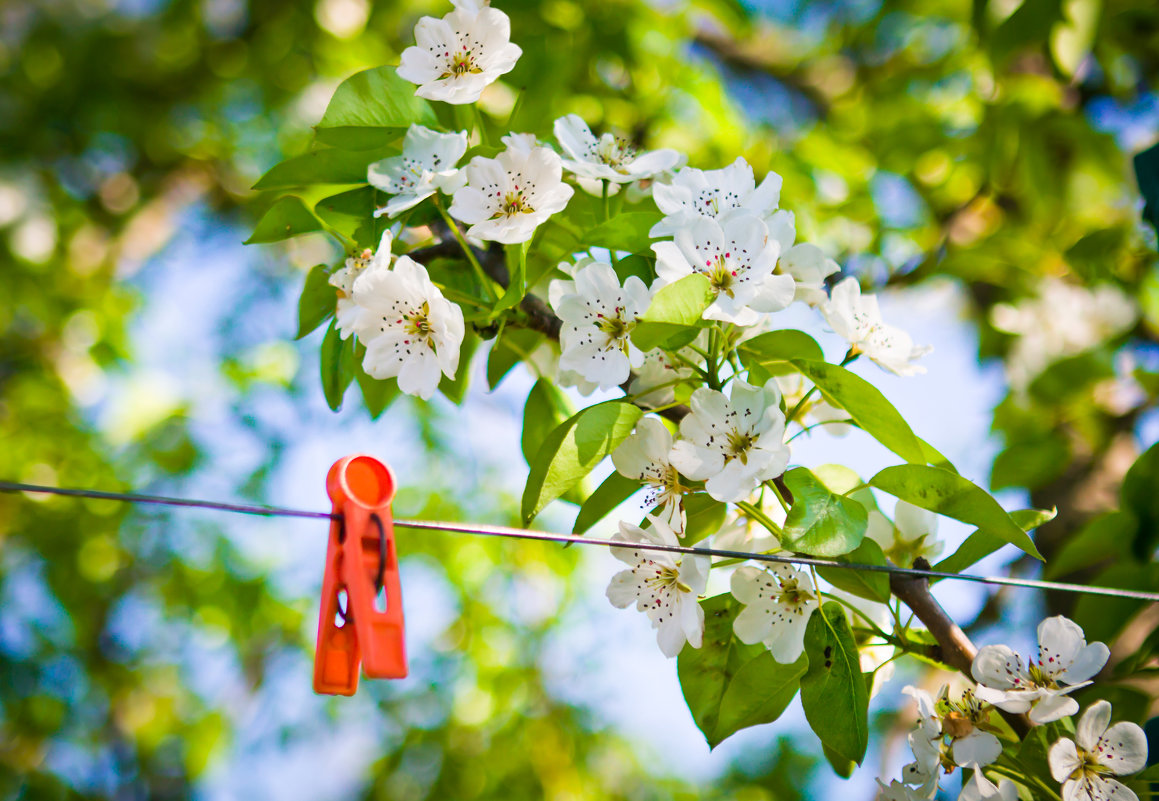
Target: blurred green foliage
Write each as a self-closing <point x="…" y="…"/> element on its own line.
<point x="918" y="142"/>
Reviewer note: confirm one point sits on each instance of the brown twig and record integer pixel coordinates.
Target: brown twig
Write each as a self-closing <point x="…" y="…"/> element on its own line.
<point x="954" y="647"/>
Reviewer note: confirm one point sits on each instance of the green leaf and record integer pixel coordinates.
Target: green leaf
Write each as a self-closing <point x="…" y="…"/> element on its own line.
<point x="326" y="166"/>
<point x="573" y="449"/>
<point x="455" y="389"/>
<point x="377" y="394"/>
<point x="673" y="310"/>
<point x="512" y="346"/>
<point x="819" y="522"/>
<point x="868" y="408"/>
<point x="286" y="218"/>
<point x="351" y="213"/>
<point x="779" y="346"/>
<point x="545" y="409"/>
<point x="864" y="584"/>
<point x="517" y="282"/>
<point x="951" y="495"/>
<point x="624" y="232"/>
<point x="833" y="691"/>
<point x="704" y="517"/>
<point x="614" y="490"/>
<point x="729" y="685"/>
<point x="1031" y="463"/>
<point x="1068" y="377"/>
<point x="337" y="366"/>
<point x="981" y="544"/>
<point x="841" y="766"/>
<point x="372" y="108"/>
<point x="1147" y="174"/>
<point x="759" y="692"/>
<point x="1105" y="537"/>
<point x="317" y="301"/>
<point x="636" y="265"/>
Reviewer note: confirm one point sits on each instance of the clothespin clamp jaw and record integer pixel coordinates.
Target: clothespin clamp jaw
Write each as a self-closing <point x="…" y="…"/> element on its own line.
<point x="362" y="565"/>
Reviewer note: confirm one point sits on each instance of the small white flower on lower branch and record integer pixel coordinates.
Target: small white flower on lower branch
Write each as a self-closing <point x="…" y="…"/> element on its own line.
<point x="1099" y="751"/>
<point x="347" y="312"/>
<point x="778" y="603"/>
<point x="665" y="586"/>
<point x="426" y="166"/>
<point x="410" y="330"/>
<point x="1065" y="663"/>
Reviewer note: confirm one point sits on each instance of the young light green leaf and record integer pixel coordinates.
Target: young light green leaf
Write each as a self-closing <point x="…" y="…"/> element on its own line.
<point x="317" y="301"/>
<point x="949" y="494"/>
<point x="821" y="523"/>
<point x="286" y="218"/>
<point x="862" y="583"/>
<point x="833" y="692"/>
<point x="981" y="544"/>
<point x="337" y="366"/>
<point x="868" y="408"/>
<point x="673" y="310"/>
<point x="779" y="346"/>
<point x="370" y="109"/>
<point x="573" y="449"/>
<point x="614" y="490"/>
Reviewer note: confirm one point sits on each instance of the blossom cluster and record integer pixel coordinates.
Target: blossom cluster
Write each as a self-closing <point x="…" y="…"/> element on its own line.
<point x="951" y="734"/>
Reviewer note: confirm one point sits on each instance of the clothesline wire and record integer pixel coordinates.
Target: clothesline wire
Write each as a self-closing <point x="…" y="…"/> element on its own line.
<point x="547" y="536"/>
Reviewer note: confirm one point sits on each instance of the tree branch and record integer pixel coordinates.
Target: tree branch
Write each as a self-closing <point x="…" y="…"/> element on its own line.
<point x="954" y="647"/>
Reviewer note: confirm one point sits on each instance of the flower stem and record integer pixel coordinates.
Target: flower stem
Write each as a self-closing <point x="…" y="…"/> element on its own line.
<point x="713" y="355"/>
<point x="800" y="404"/>
<point x="773" y="486"/>
<point x="607" y="206"/>
<point x="759" y="516"/>
<point x="470" y="254"/>
<point x="482" y="128"/>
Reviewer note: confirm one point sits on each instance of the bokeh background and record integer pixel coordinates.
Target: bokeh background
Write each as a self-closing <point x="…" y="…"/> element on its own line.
<point x="972" y="161"/>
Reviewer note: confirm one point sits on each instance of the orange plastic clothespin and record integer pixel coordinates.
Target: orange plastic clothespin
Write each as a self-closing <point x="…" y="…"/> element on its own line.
<point x="361" y="563"/>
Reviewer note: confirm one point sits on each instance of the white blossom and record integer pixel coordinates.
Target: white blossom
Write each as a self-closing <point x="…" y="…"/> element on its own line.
<point x="1061" y="320"/>
<point x="1084" y="765"/>
<point x="644" y="457"/>
<point x="733" y="443"/>
<point x="979" y="788"/>
<point x="911" y="535"/>
<point x="663" y="585"/>
<point x="963" y="723"/>
<point x="695" y="193"/>
<point x="427" y="165"/>
<point x="738" y="256"/>
<point x="777" y="604"/>
<point x="347" y="311"/>
<point x="1065" y="663"/>
<point x="896" y="791"/>
<point x="809" y="267"/>
<point x="598" y="318"/>
<point x="506" y="198"/>
<point x="410" y="330"/>
<point x="608" y="158"/>
<point x="456" y="57"/>
<point x="652" y="385"/>
<point x="857" y="318"/>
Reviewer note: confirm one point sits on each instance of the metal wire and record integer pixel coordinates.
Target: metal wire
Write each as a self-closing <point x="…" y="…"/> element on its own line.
<point x="546" y="536"/>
